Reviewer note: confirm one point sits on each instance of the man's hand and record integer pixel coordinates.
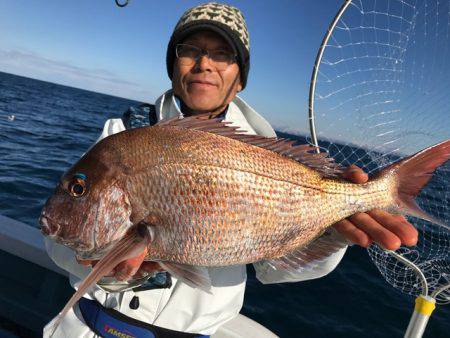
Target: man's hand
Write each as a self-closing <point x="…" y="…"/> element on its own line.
<point x="132" y="268"/>
<point x="388" y="230"/>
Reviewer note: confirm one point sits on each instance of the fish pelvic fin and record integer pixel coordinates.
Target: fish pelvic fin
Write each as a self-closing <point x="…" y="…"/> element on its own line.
<point x="412" y="174"/>
<point x="194" y="276"/>
<point x="307" y="257"/>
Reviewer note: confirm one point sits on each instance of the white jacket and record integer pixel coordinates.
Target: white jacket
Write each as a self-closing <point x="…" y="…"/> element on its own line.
<point x="181" y="307"/>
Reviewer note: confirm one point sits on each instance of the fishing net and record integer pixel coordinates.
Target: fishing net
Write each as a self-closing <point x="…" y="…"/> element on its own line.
<point x="382" y="93"/>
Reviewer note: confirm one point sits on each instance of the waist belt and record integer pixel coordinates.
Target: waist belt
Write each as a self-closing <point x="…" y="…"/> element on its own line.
<point x="110" y="323"/>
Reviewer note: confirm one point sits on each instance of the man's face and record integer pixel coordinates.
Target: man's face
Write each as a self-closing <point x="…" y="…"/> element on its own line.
<point x="201" y="86"/>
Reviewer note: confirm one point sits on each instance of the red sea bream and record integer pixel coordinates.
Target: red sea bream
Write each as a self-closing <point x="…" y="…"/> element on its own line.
<point x="202" y="194"/>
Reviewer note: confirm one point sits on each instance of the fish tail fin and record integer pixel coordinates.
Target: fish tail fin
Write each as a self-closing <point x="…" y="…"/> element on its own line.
<point x="413" y="173"/>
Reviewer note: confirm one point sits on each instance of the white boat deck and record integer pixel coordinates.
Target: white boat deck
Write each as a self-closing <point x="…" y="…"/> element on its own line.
<point x="25" y="241"/>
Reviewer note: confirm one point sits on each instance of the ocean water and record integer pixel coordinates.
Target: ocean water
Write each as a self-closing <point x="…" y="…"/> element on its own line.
<point x="45" y="128"/>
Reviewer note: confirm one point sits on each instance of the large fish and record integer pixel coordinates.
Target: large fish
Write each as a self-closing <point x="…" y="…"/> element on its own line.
<point x="195" y="192"/>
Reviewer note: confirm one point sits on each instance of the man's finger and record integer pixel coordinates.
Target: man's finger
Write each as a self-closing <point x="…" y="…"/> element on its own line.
<point x="127" y="269"/>
<point x="149" y="268"/>
<point x="85" y="262"/>
<point x="355" y="174"/>
<point x="376" y="231"/>
<point x="352" y="233"/>
<point x="397" y="224"/>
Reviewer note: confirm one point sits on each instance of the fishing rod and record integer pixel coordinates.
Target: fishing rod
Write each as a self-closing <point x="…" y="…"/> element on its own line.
<point x="122" y="4"/>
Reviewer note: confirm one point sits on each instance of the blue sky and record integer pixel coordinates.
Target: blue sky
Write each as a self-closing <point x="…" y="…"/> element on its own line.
<point x="97" y="46"/>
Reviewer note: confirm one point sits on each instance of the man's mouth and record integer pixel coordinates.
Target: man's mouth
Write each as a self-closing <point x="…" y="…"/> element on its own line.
<point x="202" y="84"/>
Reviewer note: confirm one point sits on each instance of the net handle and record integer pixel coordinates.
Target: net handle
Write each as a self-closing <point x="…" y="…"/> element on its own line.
<point x="422" y="311"/>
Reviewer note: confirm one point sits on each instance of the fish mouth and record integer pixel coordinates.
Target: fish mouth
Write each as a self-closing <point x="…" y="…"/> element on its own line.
<point x="85" y="247"/>
<point x="48" y="226"/>
<point x="51" y="229"/>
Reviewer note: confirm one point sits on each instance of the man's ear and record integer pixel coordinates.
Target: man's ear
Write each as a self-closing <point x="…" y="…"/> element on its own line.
<point x="239" y="87"/>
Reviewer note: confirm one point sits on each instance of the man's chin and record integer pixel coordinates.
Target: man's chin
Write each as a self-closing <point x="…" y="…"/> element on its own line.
<point x="203" y="107"/>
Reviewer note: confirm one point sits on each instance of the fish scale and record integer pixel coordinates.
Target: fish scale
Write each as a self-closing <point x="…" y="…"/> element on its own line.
<point x="273" y="207"/>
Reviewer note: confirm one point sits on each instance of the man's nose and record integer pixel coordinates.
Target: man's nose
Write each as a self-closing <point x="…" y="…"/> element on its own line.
<point x="204" y="63"/>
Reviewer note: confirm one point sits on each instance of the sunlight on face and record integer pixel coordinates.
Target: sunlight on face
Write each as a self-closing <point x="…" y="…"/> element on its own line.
<point x="201" y="86"/>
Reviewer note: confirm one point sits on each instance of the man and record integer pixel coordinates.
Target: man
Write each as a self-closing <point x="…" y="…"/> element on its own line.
<point x="208" y="59"/>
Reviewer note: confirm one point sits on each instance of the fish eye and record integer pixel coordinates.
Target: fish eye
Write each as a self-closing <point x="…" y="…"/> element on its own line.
<point x="77" y="187"/>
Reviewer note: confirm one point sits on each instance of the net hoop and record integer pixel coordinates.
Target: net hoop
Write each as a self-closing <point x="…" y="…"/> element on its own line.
<point x="314" y="141"/>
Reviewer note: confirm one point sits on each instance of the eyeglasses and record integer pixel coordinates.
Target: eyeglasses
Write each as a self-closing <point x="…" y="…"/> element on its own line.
<point x="188" y="55"/>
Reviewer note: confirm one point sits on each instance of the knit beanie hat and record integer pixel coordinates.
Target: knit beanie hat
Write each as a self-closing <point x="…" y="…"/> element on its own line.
<point x="223" y="19"/>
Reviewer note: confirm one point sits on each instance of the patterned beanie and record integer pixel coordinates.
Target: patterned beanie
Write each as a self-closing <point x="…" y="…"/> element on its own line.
<point x="223" y="19"/>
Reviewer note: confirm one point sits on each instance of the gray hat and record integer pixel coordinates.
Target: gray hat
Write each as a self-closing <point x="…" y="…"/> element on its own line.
<point x="223" y="19"/>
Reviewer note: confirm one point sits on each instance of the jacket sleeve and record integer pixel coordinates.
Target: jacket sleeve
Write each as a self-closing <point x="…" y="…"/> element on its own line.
<point x="267" y="275"/>
<point x="62" y="255"/>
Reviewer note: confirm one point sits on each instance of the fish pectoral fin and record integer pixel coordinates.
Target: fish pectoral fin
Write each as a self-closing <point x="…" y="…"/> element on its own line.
<point x="194" y="276"/>
<point x="310" y="256"/>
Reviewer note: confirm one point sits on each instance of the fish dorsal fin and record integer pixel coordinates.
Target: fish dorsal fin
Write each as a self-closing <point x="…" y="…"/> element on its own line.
<point x="305" y="154"/>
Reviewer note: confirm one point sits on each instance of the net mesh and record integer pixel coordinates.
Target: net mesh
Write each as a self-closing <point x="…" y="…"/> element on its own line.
<point x="383" y="92"/>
